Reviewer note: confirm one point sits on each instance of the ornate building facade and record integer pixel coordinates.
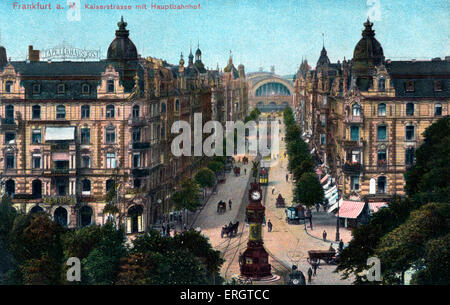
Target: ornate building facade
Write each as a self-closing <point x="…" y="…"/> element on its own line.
<point x="72" y="131"/>
<point x="368" y="115"/>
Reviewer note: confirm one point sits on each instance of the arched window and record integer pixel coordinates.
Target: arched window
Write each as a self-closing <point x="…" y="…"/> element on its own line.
<point x="10" y="187"/>
<point x="163" y="108"/>
<point x="110" y="85"/>
<point x="381" y="185"/>
<point x="60" y="112"/>
<point x="438" y="109"/>
<point x="135" y="219"/>
<point x="85" y="161"/>
<point x="86" y="216"/>
<point x="36" y="209"/>
<point x="8" y="86"/>
<point x="135" y="111"/>
<point x="110" y="111"/>
<point x="85" y="111"/>
<point x="36" y="188"/>
<point x="9" y="112"/>
<point x="85" y="88"/>
<point x="381" y="84"/>
<point x="382" y="109"/>
<point x="409" y="109"/>
<point x="86" y="187"/>
<point x="382" y="133"/>
<point x="60" y="216"/>
<point x="110" y="134"/>
<point x="36" y="112"/>
<point x="356" y="109"/>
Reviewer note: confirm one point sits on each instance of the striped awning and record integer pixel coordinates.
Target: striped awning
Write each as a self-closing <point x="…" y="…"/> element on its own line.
<point x="375" y="206"/>
<point x="325" y="178"/>
<point x="350" y="209"/>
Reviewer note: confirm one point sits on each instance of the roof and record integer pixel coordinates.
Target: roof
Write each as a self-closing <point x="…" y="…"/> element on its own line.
<point x="375" y="206"/>
<point x="350" y="209"/>
<point x="60" y="68"/>
<point x="434" y="67"/>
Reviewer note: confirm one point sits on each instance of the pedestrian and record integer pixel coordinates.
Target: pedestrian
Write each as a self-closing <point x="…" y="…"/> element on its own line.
<point x="317" y="207"/>
<point x="324" y="235"/>
<point x="185" y="228"/>
<point x="245" y="171"/>
<point x="269" y="226"/>
<point x="163" y="231"/>
<point x="309" y="274"/>
<point x="287" y="177"/>
<point x="341" y="245"/>
<point x="273" y="190"/>
<point x="229" y="204"/>
<point x="315" y="265"/>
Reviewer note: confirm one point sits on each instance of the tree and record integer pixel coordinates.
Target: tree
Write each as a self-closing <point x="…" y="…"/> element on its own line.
<point x="205" y="177"/>
<point x="308" y="190"/>
<point x="215" y="166"/>
<point x="188" y="197"/>
<point x="304" y="167"/>
<point x="429" y="178"/>
<point x="7" y="216"/>
<point x="293" y="133"/>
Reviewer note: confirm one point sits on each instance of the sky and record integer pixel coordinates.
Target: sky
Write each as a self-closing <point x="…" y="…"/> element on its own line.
<point x="260" y="33"/>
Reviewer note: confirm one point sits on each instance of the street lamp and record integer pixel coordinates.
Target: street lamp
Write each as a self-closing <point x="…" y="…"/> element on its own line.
<point x="338" y="222"/>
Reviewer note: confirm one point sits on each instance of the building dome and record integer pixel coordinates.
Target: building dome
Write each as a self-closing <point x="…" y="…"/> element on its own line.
<point x="368" y="52"/>
<point x="3" y="58"/>
<point x="122" y="48"/>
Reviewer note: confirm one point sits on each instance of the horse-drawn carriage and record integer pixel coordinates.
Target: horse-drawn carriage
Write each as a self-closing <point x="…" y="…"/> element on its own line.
<point x="230" y="230"/>
<point x="328" y="256"/>
<point x="221" y="207"/>
<point x="294" y="215"/>
<point x="245" y="160"/>
<point x="280" y="201"/>
<point x="237" y="171"/>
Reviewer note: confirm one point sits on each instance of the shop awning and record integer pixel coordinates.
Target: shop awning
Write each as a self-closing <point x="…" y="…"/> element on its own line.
<point x="60" y="156"/>
<point x="330" y="191"/>
<point x="350" y="209"/>
<point x="325" y="178"/>
<point x="375" y="206"/>
<point x="59" y="133"/>
<point x="334" y="206"/>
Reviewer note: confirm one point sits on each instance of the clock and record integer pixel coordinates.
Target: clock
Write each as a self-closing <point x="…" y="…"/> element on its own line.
<point x="256" y="195"/>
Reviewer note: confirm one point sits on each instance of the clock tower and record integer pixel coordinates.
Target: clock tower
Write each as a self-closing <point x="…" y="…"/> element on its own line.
<point x="255" y="260"/>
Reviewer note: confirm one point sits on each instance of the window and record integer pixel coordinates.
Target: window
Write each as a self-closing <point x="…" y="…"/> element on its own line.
<point x="354" y="183"/>
<point x="354" y="133"/>
<point x="9" y="112"/>
<point x="85" y="162"/>
<point x="137" y="183"/>
<point x="356" y="110"/>
<point x="110" y="135"/>
<point x="61" y="88"/>
<point x="36" y="88"/>
<point x="10" y="161"/>
<point x="8" y="86"/>
<point x="60" y="112"/>
<point x="438" y="109"/>
<point x="136" y="160"/>
<point x="110" y="111"/>
<point x="381" y="155"/>
<point x="381" y="133"/>
<point x="110" y="85"/>
<point x="36" y="162"/>
<point x="85" y="88"/>
<point x="437" y="85"/>
<point x="382" y="109"/>
<point x="85" y="111"/>
<point x="111" y="160"/>
<point x="323" y="120"/>
<point x="135" y="111"/>
<point x="356" y="156"/>
<point x="9" y="137"/>
<point x="10" y="187"/>
<point x="409" y="132"/>
<point x="163" y="132"/>
<point x="136" y="134"/>
<point x="382" y="185"/>
<point x="36" y="112"/>
<point x="409" y="156"/>
<point x="86" y="187"/>
<point x="409" y="109"/>
<point x="177" y="105"/>
<point x="381" y="84"/>
<point x="163" y="108"/>
<point x="36" y="188"/>
<point x="36" y="136"/>
<point x="109" y="185"/>
<point x="85" y="135"/>
<point x="409" y="86"/>
<point x="323" y="139"/>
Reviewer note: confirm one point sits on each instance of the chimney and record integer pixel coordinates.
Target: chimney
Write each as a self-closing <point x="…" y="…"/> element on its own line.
<point x="33" y="55"/>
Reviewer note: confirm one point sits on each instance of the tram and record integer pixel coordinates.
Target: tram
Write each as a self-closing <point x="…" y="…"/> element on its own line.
<point x="263" y="176"/>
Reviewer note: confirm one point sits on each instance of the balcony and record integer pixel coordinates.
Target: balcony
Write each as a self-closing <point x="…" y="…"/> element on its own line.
<point x="8" y="124"/>
<point x="59" y="200"/>
<point x="354" y="119"/>
<point x="140" y="172"/>
<point x="60" y="147"/>
<point x="141" y="145"/>
<point x="351" y="167"/>
<point x="139" y="121"/>
<point x="60" y="171"/>
<point x="353" y="144"/>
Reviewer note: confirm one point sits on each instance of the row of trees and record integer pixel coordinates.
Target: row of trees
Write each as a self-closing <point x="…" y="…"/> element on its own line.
<point x="308" y="190"/>
<point x="35" y="250"/>
<point x="413" y="233"/>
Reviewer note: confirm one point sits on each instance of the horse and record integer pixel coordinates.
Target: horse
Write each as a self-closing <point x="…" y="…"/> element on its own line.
<point x="230" y="230"/>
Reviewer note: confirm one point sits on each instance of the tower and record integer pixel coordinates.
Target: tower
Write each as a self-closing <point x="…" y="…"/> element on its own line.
<point x="255" y="262"/>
